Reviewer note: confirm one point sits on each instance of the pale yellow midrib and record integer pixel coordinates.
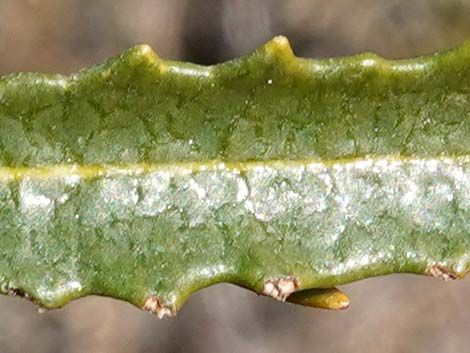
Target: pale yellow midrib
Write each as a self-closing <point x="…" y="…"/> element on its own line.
<point x="181" y="168"/>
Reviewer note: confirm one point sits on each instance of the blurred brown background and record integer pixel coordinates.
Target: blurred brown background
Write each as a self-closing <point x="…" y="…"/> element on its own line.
<point x="394" y="314"/>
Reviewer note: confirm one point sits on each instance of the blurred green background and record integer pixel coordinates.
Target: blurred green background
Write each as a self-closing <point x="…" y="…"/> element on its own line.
<point x="401" y="313"/>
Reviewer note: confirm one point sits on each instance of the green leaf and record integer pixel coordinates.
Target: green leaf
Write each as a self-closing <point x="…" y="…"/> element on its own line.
<point x="146" y="180"/>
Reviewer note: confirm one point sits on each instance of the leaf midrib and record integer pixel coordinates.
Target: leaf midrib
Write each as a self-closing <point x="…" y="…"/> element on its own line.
<point x="181" y="168"/>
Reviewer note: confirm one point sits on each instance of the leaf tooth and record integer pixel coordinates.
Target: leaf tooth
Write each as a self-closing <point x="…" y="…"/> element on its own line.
<point x="278" y="48"/>
<point x="280" y="288"/>
<point x="139" y="54"/>
<point x="145" y="52"/>
<point x="155" y="306"/>
<point x="441" y="271"/>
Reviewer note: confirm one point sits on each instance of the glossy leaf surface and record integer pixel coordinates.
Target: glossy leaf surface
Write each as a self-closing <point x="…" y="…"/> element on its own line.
<point x="146" y="180"/>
